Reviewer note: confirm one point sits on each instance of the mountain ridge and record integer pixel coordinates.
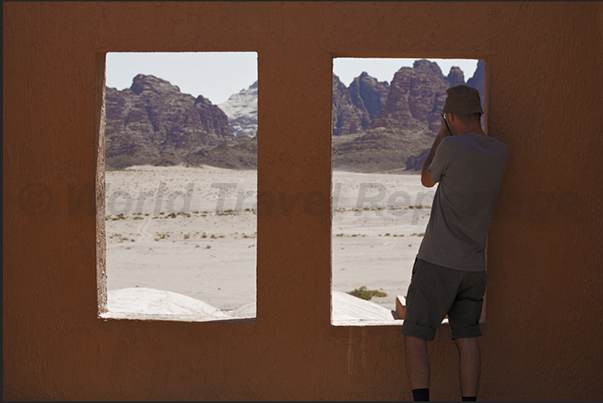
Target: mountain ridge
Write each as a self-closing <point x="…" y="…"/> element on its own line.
<point x="376" y="126"/>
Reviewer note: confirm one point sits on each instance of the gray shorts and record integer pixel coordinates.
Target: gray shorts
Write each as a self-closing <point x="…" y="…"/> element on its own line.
<point x="436" y="291"/>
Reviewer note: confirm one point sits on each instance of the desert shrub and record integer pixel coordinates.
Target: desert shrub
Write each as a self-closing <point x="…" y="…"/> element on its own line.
<point x="363" y="293"/>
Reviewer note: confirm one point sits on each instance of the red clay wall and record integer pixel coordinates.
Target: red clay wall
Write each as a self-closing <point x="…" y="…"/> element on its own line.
<point x="542" y="340"/>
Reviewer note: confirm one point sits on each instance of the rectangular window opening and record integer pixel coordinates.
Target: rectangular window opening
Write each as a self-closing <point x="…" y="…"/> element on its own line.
<point x="180" y="182"/>
<point x="385" y="116"/>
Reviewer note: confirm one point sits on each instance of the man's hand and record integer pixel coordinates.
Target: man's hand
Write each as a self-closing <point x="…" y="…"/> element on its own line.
<point x="426" y="178"/>
<point x="444" y="131"/>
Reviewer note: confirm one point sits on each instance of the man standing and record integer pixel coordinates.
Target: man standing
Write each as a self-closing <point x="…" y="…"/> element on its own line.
<point x="449" y="274"/>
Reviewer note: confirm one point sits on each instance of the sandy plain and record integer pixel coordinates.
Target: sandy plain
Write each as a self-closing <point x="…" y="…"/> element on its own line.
<point x="192" y="231"/>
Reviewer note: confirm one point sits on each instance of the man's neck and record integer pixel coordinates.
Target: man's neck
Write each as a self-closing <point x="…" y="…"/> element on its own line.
<point x="472" y="129"/>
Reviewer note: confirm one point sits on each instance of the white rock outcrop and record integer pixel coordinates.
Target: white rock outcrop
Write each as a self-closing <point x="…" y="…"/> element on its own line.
<point x="242" y="111"/>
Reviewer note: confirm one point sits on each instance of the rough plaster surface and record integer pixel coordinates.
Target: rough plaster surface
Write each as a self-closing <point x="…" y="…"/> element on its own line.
<point x="542" y="338"/>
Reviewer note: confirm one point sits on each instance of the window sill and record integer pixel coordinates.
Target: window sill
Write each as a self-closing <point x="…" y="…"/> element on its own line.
<point x="173" y="318"/>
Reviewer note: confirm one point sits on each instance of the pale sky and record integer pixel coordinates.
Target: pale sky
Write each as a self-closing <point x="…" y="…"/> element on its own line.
<point x="218" y="75"/>
<point x="215" y="75"/>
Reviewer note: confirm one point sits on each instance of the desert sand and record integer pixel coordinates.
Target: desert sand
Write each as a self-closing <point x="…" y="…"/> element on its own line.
<point x="192" y="231"/>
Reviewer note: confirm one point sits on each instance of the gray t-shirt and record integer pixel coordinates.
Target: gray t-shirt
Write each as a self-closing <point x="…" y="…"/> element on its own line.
<point x="469" y="169"/>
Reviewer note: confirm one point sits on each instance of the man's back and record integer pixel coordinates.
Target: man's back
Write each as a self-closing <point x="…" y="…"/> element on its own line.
<point x="448" y="276"/>
<point x="469" y="169"/>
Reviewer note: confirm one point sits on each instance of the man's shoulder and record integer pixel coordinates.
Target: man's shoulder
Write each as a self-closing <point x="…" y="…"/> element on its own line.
<point x="458" y="142"/>
<point x="475" y="141"/>
<point x="501" y="147"/>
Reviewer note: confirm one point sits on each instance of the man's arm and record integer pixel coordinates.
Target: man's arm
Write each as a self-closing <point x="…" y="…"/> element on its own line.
<point x="426" y="178"/>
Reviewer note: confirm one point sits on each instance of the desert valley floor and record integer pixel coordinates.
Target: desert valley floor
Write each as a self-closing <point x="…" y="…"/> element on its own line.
<point x="192" y="231"/>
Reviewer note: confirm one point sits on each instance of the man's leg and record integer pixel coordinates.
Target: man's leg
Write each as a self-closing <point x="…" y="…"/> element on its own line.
<point x="469" y="365"/>
<point x="417" y="365"/>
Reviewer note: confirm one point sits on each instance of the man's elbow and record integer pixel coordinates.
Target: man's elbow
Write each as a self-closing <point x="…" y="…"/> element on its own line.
<point x="426" y="179"/>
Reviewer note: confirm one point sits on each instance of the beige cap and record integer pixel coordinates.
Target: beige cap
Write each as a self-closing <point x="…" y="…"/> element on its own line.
<point x="462" y="99"/>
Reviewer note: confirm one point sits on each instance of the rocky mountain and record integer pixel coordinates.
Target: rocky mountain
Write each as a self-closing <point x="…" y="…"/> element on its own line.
<point x="354" y="108"/>
<point x="346" y="117"/>
<point x="242" y="111"/>
<point x="399" y="135"/>
<point x="376" y="126"/>
<point x="152" y="122"/>
<point x="478" y="80"/>
<point x="369" y="95"/>
<point x="415" y="98"/>
<point x="415" y="162"/>
<point x="240" y="154"/>
<point x="455" y="76"/>
<point x="377" y="150"/>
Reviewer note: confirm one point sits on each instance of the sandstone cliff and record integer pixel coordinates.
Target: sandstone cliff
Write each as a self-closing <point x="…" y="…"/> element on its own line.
<point x="354" y="108"/>
<point x="399" y="134"/>
<point x="455" y="76"/>
<point x="478" y="80"/>
<point x="415" y="98"/>
<point x="346" y="116"/>
<point x="404" y="126"/>
<point x="369" y="96"/>
<point x="152" y="122"/>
